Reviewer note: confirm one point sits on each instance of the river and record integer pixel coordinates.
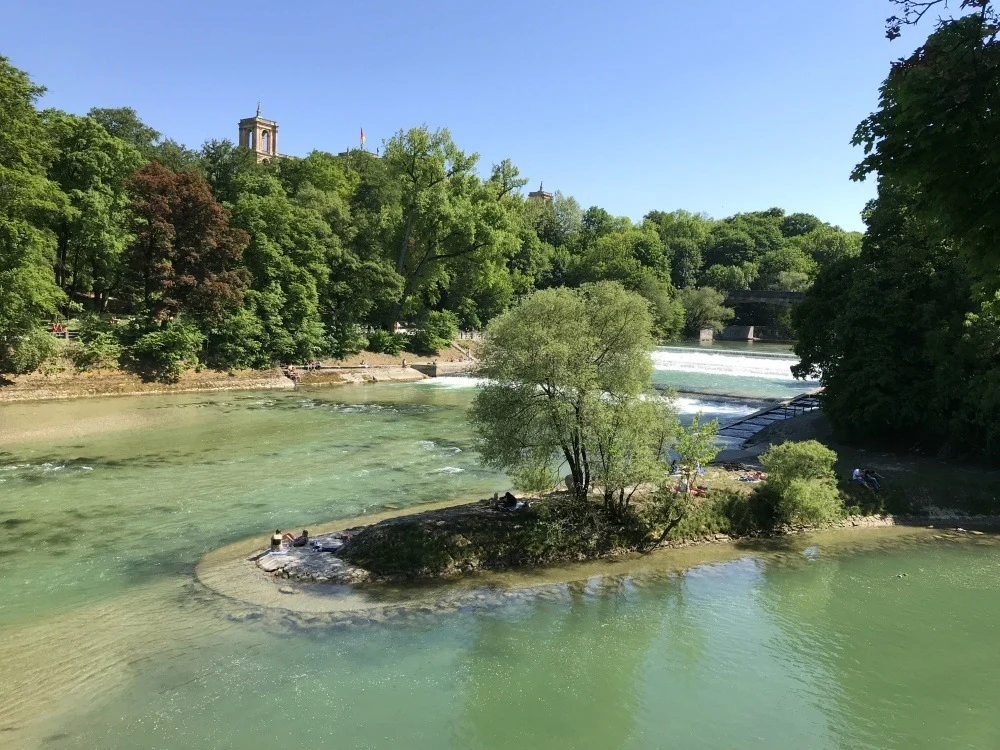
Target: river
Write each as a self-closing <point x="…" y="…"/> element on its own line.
<point x="109" y="638"/>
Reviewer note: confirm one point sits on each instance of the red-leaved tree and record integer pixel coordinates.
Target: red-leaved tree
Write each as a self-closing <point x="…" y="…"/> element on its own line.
<point x="185" y="255"/>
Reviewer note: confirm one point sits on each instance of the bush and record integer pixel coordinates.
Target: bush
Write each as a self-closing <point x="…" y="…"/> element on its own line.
<point x="801" y="486"/>
<point x="384" y="342"/>
<point x="238" y="343"/>
<point x="98" y="344"/>
<point x="26" y="353"/>
<point x="347" y="339"/>
<point x="437" y="330"/>
<point x="535" y="478"/>
<point x="162" y="354"/>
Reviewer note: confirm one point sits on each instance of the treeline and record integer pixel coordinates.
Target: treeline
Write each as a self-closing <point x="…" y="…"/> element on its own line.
<point x="206" y="257"/>
<point x="907" y="334"/>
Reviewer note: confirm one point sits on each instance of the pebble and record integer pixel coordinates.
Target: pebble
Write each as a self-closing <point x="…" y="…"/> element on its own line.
<point x="286" y="590"/>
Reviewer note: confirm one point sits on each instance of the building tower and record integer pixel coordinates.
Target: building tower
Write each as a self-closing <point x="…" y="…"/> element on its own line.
<point x="260" y="136"/>
<point x="540" y="195"/>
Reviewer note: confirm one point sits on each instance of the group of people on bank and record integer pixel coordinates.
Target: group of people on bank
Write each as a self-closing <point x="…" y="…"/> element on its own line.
<point x="280" y="541"/>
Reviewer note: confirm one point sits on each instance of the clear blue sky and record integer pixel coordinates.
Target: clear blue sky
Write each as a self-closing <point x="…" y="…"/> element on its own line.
<point x="710" y="106"/>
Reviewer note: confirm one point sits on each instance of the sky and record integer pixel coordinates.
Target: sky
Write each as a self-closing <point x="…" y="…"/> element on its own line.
<point x="714" y="107"/>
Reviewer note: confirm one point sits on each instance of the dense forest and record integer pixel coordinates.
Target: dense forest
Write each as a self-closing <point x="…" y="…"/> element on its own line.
<point x="168" y="257"/>
<point x="907" y="334"/>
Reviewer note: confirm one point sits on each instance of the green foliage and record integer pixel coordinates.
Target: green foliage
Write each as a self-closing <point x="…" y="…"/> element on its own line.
<point x="945" y="154"/>
<point x="695" y="447"/>
<point x="801" y="486"/>
<point x="549" y="363"/>
<point x="99" y="346"/>
<point x="436" y="331"/>
<point x="704" y="308"/>
<point x="33" y="348"/>
<point x="28" y="295"/>
<point x="292" y="260"/>
<point x="385" y="342"/>
<point x="161" y="353"/>
<point x="347" y="339"/>
<point x="536" y="477"/>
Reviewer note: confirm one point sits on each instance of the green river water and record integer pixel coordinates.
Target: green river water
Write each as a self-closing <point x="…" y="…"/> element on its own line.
<point x="113" y="636"/>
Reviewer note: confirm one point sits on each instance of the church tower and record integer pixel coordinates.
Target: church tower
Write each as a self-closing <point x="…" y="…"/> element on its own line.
<point x="540" y="195"/>
<point x="260" y="136"/>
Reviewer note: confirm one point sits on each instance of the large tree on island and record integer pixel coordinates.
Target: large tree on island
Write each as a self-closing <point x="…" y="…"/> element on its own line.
<point x="567" y="374"/>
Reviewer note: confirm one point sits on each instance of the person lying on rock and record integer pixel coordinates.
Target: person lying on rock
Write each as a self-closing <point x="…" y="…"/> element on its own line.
<point x="301" y="541"/>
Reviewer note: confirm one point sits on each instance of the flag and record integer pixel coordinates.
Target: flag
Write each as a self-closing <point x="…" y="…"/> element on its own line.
<point x="362" y="137"/>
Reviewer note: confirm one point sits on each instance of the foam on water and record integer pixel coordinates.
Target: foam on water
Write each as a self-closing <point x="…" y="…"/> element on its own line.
<point x="737" y="364"/>
<point x="451" y="381"/>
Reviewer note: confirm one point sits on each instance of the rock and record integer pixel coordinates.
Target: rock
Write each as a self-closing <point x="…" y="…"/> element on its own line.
<point x="959" y="528"/>
<point x="977" y="533"/>
<point x="270" y="563"/>
<point x="286" y="590"/>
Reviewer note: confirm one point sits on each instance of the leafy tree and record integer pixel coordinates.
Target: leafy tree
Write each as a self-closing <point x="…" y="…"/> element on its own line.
<point x="729" y="278"/>
<point x="801" y="485"/>
<point x="548" y="363"/>
<point x="937" y="128"/>
<point x="223" y="163"/>
<point x="92" y="168"/>
<point x="184" y="255"/>
<point x="445" y="214"/>
<point x="695" y="447"/>
<point x="437" y="330"/>
<point x="162" y="352"/>
<point x="28" y="201"/>
<point x="704" y="308"/>
<point x="630" y="440"/>
<point x="797" y="224"/>
<point x="99" y="345"/>
<point x="124" y="124"/>
<point x="784" y="266"/>
<point x="881" y="329"/>
<point x="288" y="258"/>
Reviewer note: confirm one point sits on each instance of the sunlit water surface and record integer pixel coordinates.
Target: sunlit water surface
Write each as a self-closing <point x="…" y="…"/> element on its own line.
<point x="109" y="638"/>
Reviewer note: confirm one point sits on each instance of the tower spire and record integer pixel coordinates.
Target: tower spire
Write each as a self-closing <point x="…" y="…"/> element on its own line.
<point x="258" y="109"/>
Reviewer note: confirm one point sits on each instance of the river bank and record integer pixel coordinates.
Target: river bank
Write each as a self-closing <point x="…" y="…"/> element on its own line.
<point x="103" y="383"/>
<point x="62" y="381"/>
<point x="472" y="538"/>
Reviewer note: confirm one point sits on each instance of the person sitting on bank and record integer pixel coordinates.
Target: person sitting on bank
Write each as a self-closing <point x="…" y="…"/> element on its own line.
<point x="858" y="476"/>
<point x="301" y="541"/>
<point x="276" y="540"/>
<point x="871" y="479"/>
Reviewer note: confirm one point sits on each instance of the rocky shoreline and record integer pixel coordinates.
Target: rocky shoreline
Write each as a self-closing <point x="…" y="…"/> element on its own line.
<point x="309" y="565"/>
<point x="103" y="383"/>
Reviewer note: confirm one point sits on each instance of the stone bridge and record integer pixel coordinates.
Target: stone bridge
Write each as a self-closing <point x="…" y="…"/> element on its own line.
<point x="785" y="299"/>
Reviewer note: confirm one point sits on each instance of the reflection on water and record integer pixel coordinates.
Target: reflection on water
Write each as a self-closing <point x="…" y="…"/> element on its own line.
<point x="819" y="644"/>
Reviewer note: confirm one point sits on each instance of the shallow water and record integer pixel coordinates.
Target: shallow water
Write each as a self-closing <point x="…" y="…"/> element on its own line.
<point x="110" y="636"/>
